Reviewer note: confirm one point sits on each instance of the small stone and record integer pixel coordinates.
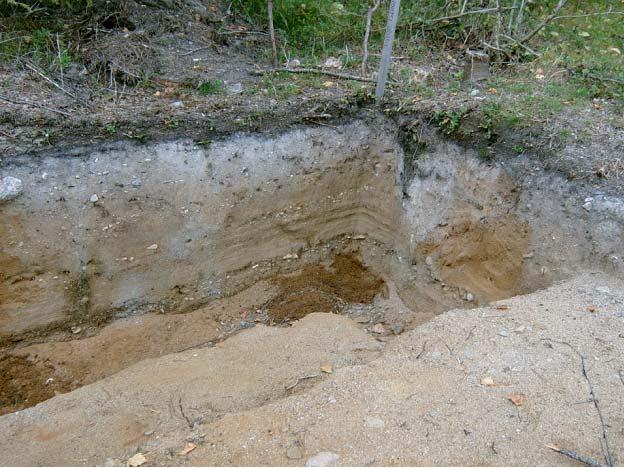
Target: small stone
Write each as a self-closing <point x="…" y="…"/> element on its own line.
<point x="332" y="62"/>
<point x="153" y="247"/>
<point x="429" y="261"/>
<point x="76" y="330"/>
<point x="323" y="459"/>
<point x="587" y="206"/>
<point x="94" y="198"/>
<point x="233" y="89"/>
<point x="290" y="257"/>
<point x="294" y="453"/>
<point x="503" y="333"/>
<point x="148" y="433"/>
<point x="520" y="329"/>
<point x="327" y="368"/>
<point x="294" y="63"/>
<point x="474" y="92"/>
<point x="136" y="182"/>
<point x="375" y="423"/>
<point x="359" y="237"/>
<point x="396" y="328"/>
<point x="378" y="328"/>
<point x="10" y="188"/>
<point x="177" y="104"/>
<point x="603" y="289"/>
<point x="469" y="297"/>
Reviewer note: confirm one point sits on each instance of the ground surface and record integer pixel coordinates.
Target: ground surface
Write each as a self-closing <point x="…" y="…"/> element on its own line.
<point x="443" y="393"/>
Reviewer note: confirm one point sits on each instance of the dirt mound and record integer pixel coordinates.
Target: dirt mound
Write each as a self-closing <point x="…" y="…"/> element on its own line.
<point x="25" y="383"/>
<point x="321" y="289"/>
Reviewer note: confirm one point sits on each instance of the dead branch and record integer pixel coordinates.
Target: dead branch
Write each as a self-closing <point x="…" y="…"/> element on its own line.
<point x="546" y="20"/>
<point x="49" y="80"/>
<point x="272" y="34"/>
<point x="575" y="456"/>
<point x="605" y="440"/>
<point x="34" y="104"/>
<point x="472" y="12"/>
<point x="314" y="71"/>
<point x="369" y="20"/>
<point x="601" y="13"/>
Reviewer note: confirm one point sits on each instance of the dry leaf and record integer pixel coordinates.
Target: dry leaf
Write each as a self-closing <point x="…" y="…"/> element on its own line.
<point x="583" y="34"/>
<point x="517" y="399"/>
<point x="328" y="84"/>
<point x="592" y="309"/>
<point x="189" y="447"/>
<point x="327" y="367"/>
<point x="136" y="460"/>
<point x="615" y="49"/>
<point x="502" y="307"/>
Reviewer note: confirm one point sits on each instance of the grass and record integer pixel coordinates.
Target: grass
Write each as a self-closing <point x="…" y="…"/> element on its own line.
<point x="209" y="87"/>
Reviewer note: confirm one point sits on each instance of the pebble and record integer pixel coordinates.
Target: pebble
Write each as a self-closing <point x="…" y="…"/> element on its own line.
<point x="587" y="206"/>
<point x="10" y="188"/>
<point x="177" y="104"/>
<point x="153" y="247"/>
<point x="375" y="423"/>
<point x="323" y="459"/>
<point x="503" y="333"/>
<point x="378" y="328"/>
<point x="469" y="297"/>
<point x="396" y="328"/>
<point x="233" y="89"/>
<point x="429" y="261"/>
<point x="294" y="453"/>
<point x="94" y="198"/>
<point x="136" y="182"/>
<point x="290" y="257"/>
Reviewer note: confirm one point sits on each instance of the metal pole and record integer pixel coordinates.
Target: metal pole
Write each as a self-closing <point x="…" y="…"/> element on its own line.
<point x="386" y="55"/>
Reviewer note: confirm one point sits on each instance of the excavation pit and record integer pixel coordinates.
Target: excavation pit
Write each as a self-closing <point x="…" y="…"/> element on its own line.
<point x="124" y="252"/>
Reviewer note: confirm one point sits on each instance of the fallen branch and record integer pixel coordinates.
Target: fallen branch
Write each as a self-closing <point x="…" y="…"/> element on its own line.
<point x="314" y="71"/>
<point x="575" y="456"/>
<point x="49" y="80"/>
<point x="601" y="13"/>
<point x="34" y="104"/>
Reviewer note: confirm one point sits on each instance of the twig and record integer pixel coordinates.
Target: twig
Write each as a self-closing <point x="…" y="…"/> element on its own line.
<point x="575" y="456"/>
<point x="34" y="104"/>
<point x="188" y="421"/>
<point x="191" y="52"/>
<point x="272" y="34"/>
<point x="58" y="47"/>
<point x="369" y="20"/>
<point x="49" y="80"/>
<point x="314" y="72"/>
<point x="601" y="13"/>
<point x="471" y="12"/>
<point x="621" y="374"/>
<point x="605" y="440"/>
<point x="422" y="351"/>
<point x="299" y="379"/>
<point x="520" y="15"/>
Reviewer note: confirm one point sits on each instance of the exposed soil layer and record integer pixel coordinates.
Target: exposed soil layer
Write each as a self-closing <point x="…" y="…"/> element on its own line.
<point x="185" y="247"/>
<point x="25" y="383"/>
<point x="320" y="289"/>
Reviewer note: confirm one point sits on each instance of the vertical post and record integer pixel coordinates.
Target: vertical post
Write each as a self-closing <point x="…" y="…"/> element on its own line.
<point x="272" y="34"/>
<point x="386" y="55"/>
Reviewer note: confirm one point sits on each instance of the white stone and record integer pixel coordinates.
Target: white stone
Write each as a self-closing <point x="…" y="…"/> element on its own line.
<point x="94" y="198"/>
<point x="153" y="247"/>
<point x="323" y="459"/>
<point x="10" y="188"/>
